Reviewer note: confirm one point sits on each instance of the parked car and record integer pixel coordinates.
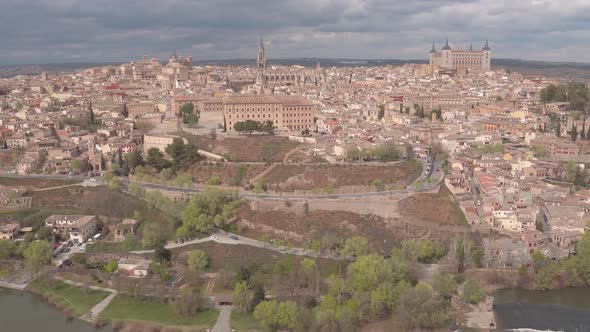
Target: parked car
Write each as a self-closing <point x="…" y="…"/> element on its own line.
<point x="235" y="238"/>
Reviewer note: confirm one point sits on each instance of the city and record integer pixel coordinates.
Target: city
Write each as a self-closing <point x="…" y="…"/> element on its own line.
<point x="178" y="195"/>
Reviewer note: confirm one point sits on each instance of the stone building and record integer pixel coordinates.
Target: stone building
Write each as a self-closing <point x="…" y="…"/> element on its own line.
<point x="460" y="59"/>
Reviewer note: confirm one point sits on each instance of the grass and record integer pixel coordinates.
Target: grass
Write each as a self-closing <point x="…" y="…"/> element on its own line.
<point x="78" y="299"/>
<point x="244" y="322"/>
<point x="126" y="308"/>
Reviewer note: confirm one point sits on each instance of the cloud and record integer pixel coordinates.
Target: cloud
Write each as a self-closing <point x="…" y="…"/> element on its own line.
<point x="39" y="31"/>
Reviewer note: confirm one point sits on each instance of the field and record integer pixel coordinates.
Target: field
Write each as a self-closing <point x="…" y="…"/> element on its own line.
<point x="125" y="308"/>
<point x="245" y="148"/>
<point x="35" y="183"/>
<point x="439" y="208"/>
<point x="77" y="299"/>
<point x="300" y="177"/>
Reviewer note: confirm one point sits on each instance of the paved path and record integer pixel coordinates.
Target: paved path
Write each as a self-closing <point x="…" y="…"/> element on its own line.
<point x="226" y="238"/>
<point x="223" y="320"/>
<point x="92" y="315"/>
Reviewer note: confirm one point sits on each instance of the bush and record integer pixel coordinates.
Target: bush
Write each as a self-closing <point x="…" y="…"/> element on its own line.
<point x="472" y="292"/>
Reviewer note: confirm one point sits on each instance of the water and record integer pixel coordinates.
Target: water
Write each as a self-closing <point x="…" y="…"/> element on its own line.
<point x="559" y="310"/>
<point x="24" y="312"/>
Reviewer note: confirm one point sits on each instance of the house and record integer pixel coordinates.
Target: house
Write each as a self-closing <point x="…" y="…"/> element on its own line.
<point x="79" y="227"/>
<point x="534" y="239"/>
<point x="131" y="267"/>
<point x="9" y="231"/>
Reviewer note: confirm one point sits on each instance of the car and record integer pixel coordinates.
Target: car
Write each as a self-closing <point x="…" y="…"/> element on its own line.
<point x="93" y="179"/>
<point x="214" y="238"/>
<point x="235" y="238"/>
<point x="181" y="241"/>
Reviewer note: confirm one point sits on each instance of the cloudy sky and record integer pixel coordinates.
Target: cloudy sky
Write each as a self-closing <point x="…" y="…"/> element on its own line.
<point x="41" y="31"/>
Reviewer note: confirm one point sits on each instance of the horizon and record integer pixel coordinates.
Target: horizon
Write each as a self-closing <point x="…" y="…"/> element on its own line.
<point x="112" y="31"/>
<point x="163" y="60"/>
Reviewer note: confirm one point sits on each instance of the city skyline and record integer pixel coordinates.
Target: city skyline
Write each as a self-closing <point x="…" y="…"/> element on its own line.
<point x="76" y="31"/>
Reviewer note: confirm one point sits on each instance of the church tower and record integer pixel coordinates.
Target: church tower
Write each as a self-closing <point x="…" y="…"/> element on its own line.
<point x="261" y="64"/>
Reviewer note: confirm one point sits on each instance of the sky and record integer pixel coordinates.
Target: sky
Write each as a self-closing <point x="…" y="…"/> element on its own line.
<point x="57" y="31"/>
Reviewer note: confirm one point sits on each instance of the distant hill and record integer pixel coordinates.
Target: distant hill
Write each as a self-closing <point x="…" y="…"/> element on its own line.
<point x="563" y="70"/>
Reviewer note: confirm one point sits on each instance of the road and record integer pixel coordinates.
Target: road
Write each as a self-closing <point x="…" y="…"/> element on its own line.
<point x="226" y="238"/>
<point x="436" y="174"/>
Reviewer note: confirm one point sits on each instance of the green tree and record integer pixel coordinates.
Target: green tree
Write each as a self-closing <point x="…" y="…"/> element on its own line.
<point x="355" y="246"/>
<point x="381" y="112"/>
<point x="38" y="254"/>
<point x="538" y="151"/>
<point x="161" y="254"/>
<point x="155" y="158"/>
<point x="211" y="208"/>
<point x="111" y="267"/>
<point x="472" y="292"/>
<point x="8" y="249"/>
<point x="197" y="260"/>
<point x="189" y="302"/>
<point x="176" y="149"/>
<point x="275" y="315"/>
<point x="445" y="285"/>
<point x="419" y="307"/>
<point x="134" y="159"/>
<point x="574" y="132"/>
<point x="242" y="297"/>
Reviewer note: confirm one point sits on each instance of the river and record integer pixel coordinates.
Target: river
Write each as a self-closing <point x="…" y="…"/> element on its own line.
<point x="24" y="312"/>
<point x="558" y="310"/>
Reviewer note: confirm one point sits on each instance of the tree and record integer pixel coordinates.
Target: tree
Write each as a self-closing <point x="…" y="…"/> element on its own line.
<point x="472" y="292"/>
<point x="418" y="307"/>
<point x="574" y="132"/>
<point x="111" y="267"/>
<point x="558" y="129"/>
<point x="197" y="260"/>
<point x="444" y="284"/>
<point x="38" y="254"/>
<point x="134" y="159"/>
<point x="242" y="297"/>
<point x="381" y="112"/>
<point x="161" y="254"/>
<point x="7" y="249"/>
<point x="355" y="246"/>
<point x="155" y="158"/>
<point x="45" y="233"/>
<point x="176" y="149"/>
<point x="274" y="315"/>
<point x="189" y="302"/>
<point x="267" y="127"/>
<point x="211" y="208"/>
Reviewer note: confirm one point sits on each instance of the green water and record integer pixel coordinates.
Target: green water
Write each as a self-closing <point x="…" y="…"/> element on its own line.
<point x="24" y="312"/>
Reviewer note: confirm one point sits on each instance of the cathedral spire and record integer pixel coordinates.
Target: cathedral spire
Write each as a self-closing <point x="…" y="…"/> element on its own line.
<point x="471" y="47"/>
<point x="486" y="46"/>
<point x="261" y="61"/>
<point x="433" y="50"/>
<point x="447" y="47"/>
